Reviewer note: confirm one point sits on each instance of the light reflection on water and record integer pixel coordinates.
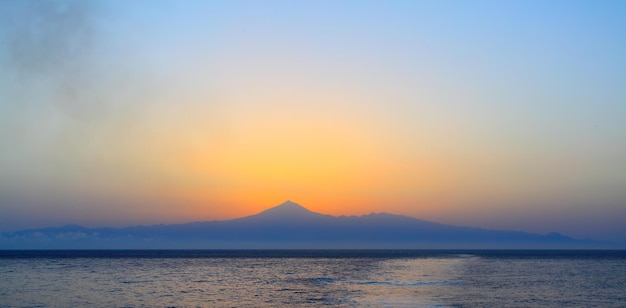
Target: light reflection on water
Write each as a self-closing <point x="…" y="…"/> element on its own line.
<point x="407" y="282"/>
<point x="439" y="281"/>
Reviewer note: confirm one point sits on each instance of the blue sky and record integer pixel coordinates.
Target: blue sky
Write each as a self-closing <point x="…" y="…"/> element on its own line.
<point x="507" y="115"/>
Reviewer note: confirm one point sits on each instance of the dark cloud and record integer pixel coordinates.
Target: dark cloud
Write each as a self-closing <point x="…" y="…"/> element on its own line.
<point x="52" y="43"/>
<point x="47" y="37"/>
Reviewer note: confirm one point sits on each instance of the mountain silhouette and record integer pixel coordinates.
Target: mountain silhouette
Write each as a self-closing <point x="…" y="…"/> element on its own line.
<point x="287" y="208"/>
<point x="286" y="211"/>
<point x="290" y="225"/>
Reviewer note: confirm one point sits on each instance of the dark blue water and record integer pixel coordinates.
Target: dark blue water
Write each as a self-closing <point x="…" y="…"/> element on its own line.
<point x="271" y="278"/>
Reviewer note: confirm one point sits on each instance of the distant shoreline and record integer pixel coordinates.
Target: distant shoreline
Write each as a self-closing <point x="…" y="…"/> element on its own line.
<point x="312" y="253"/>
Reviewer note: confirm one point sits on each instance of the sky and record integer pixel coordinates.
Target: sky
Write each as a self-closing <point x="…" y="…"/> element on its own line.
<point x="493" y="114"/>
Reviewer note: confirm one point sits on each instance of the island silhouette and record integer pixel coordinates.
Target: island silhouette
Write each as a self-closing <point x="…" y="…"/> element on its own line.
<point x="291" y="226"/>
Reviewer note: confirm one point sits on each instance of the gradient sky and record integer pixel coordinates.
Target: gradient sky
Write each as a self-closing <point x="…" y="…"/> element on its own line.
<point x="495" y="114"/>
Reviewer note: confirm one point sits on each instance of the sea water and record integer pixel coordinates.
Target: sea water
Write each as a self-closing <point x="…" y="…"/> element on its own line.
<point x="259" y="278"/>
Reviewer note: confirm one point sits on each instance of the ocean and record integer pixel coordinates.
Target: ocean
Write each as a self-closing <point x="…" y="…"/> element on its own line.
<point x="313" y="278"/>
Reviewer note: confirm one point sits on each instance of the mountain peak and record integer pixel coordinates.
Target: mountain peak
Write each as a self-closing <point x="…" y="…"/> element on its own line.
<point x="287" y="209"/>
<point x="289" y="206"/>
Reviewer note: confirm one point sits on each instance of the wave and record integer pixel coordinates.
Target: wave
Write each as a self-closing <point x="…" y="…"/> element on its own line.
<point x="325" y="280"/>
